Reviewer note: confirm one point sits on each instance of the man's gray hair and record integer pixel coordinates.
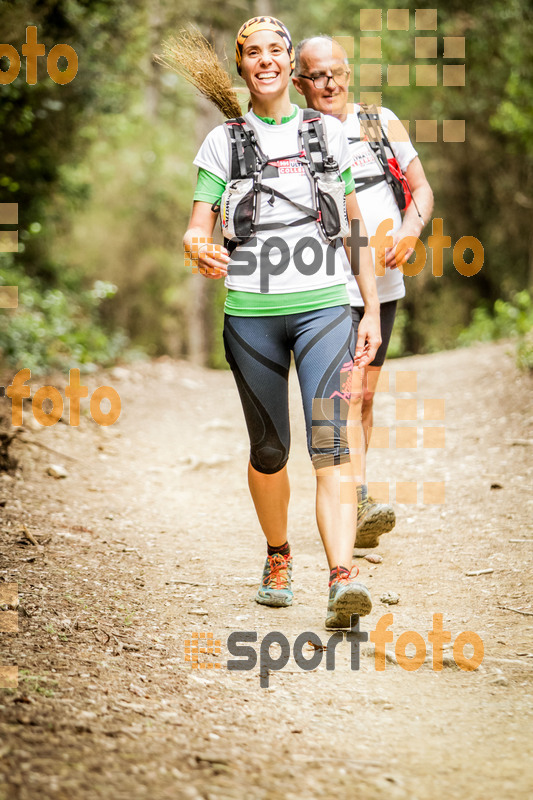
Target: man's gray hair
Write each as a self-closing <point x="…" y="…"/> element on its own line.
<point x="301" y="45"/>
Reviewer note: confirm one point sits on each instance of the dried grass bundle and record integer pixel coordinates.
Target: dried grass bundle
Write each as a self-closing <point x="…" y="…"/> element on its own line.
<point x="192" y="57"/>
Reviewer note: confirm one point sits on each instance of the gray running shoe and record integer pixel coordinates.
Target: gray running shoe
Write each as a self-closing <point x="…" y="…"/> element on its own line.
<point x="373" y="519"/>
<point x="346" y="598"/>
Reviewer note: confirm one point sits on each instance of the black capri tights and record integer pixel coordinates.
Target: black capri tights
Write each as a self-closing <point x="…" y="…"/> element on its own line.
<point x="258" y="350"/>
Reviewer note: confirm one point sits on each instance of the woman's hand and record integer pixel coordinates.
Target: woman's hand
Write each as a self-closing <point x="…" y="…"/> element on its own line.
<point x="368" y="340"/>
<point x="213" y="260"/>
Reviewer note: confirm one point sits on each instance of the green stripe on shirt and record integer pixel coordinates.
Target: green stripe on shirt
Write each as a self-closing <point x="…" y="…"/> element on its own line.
<point x="256" y="304"/>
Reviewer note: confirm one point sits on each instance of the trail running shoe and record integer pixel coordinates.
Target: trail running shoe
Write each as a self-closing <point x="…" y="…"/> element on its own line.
<point x="346" y="598"/>
<point x="275" y="589"/>
<point x="373" y="519"/>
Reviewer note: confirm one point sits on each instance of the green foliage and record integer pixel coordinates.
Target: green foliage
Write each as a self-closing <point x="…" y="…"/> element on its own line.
<point x="40" y="122"/>
<point x="512" y="319"/>
<point x="56" y="327"/>
<point x="396" y="348"/>
<point x="524" y="352"/>
<point x="482" y="186"/>
<point x="507" y="319"/>
<point x="101" y="169"/>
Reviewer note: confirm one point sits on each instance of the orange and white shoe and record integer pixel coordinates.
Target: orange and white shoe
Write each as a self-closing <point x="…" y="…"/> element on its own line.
<point x="275" y="588"/>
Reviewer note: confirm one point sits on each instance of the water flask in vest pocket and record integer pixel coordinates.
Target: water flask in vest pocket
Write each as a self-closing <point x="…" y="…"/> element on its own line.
<point x="331" y="201"/>
<point x="237" y="209"/>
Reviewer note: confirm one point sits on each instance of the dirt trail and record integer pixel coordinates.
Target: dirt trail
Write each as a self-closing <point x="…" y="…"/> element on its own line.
<point x="152" y="538"/>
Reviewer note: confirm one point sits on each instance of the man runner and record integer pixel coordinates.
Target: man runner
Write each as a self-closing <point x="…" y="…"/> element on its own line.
<point x="322" y="76"/>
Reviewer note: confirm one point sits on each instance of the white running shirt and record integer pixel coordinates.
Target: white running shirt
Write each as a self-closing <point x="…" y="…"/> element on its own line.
<point x="376" y="203"/>
<point x="277" y="142"/>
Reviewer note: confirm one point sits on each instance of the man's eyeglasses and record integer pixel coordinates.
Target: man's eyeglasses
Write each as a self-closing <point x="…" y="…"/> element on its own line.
<point x="339" y="75"/>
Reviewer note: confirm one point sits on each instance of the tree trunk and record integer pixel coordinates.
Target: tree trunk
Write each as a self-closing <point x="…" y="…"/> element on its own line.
<point x="200" y="322"/>
<point x="152" y="86"/>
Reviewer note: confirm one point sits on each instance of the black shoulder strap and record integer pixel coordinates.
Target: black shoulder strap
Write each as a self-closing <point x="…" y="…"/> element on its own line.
<point x="377" y="139"/>
<point x="243" y="156"/>
<point x="313" y="139"/>
<point x="373" y="126"/>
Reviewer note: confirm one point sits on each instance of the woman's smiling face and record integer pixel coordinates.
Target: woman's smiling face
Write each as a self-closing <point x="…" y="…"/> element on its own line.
<point x="265" y="64"/>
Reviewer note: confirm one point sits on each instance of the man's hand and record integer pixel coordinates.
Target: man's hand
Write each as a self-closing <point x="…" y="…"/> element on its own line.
<point x="368" y="340"/>
<point x="213" y="260"/>
<point x="398" y="254"/>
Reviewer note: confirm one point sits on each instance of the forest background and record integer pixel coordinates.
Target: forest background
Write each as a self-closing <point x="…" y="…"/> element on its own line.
<point x="101" y="169"/>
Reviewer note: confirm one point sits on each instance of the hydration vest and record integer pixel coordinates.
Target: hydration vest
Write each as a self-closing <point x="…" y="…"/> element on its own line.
<point x="392" y="172"/>
<point x="240" y="203"/>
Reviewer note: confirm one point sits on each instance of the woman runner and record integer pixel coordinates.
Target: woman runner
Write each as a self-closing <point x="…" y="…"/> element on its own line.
<point x="296" y="310"/>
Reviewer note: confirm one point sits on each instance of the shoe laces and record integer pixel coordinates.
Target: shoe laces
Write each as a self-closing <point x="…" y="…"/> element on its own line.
<point x="345" y="577"/>
<point x="278" y="571"/>
<point x="367" y="501"/>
